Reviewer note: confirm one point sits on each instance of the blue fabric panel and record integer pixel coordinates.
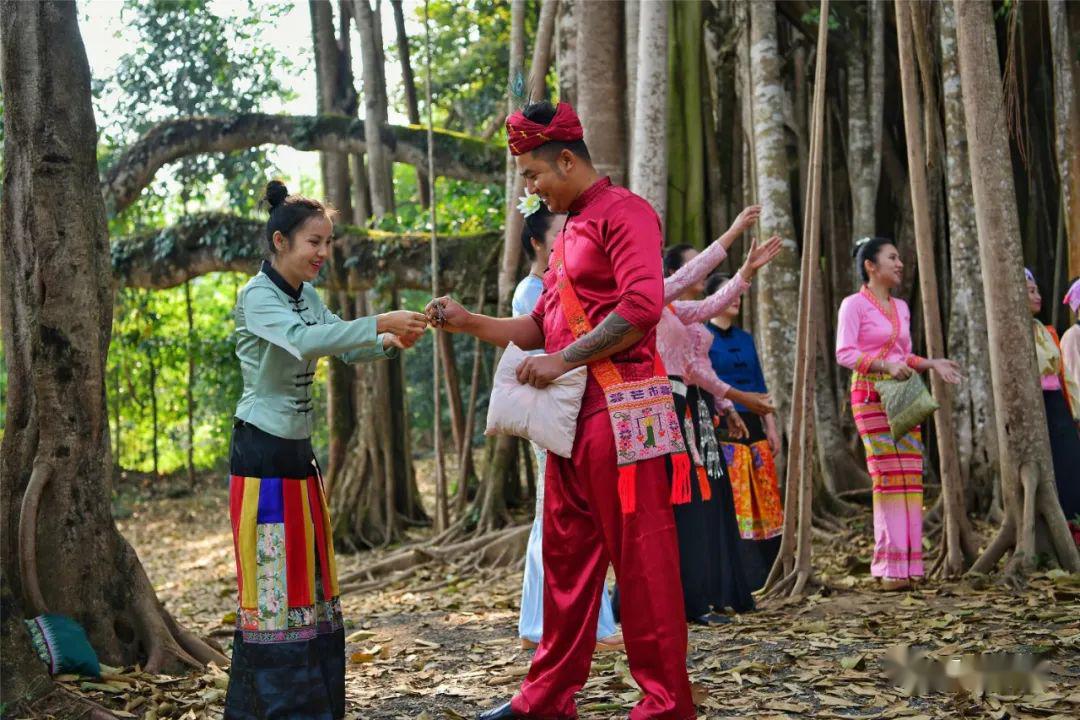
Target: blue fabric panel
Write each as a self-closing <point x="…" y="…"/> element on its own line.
<point x="271" y="504"/>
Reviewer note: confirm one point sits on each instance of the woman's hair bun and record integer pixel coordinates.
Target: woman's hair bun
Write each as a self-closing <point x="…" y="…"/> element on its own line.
<point x="276" y="192"/>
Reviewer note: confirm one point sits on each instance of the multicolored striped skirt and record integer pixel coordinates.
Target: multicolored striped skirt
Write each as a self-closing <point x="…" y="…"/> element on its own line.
<point x="895" y="467"/>
<point x="289" y="646"/>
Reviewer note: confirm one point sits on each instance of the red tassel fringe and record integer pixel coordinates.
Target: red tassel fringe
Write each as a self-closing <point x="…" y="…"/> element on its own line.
<point x="703" y="484"/>
<point x="628" y="487"/>
<point x="680" y="479"/>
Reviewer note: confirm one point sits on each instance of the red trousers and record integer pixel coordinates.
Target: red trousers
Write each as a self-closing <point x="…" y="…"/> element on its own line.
<point x="584" y="530"/>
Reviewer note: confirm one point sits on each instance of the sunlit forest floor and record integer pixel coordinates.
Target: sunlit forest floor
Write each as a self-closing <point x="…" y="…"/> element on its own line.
<point x="440" y="646"/>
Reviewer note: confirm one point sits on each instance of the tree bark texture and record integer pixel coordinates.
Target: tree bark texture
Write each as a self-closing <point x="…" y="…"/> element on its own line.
<point x="777" y="283"/>
<point x="412" y="105"/>
<point x="973" y="399"/>
<point x="566" y="49"/>
<point x="380" y="161"/>
<point x="632" y="27"/>
<point x="57" y="314"/>
<point x="515" y="187"/>
<point x="686" y="211"/>
<point x="541" y="58"/>
<point x="601" y="86"/>
<point x="1065" y="46"/>
<point x="866" y="93"/>
<point x="648" y="162"/>
<point x="216" y="242"/>
<point x="333" y="98"/>
<point x="1026" y="468"/>
<point x="456" y="155"/>
<point x="795" y="552"/>
<point x="374" y="496"/>
<point x="333" y="78"/>
<point x="957" y="554"/>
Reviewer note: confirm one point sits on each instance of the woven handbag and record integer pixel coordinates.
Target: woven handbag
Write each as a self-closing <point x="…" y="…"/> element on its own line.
<point x="907" y="403"/>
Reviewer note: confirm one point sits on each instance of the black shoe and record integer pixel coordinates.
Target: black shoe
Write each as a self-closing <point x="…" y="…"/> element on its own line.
<point x="503" y="712"/>
<point x="711" y="618"/>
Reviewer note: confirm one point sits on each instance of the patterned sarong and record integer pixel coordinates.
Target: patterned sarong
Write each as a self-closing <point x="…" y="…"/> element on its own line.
<point x="288" y="656"/>
<point x="287" y="590"/>
<point x="758" y="506"/>
<point x="895" y="468"/>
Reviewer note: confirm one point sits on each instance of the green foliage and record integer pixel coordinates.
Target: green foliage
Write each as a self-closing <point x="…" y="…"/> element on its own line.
<point x="461" y="206"/>
<point x="470" y="57"/>
<point x="188" y="60"/>
<point x="150" y="329"/>
<point x="813" y="16"/>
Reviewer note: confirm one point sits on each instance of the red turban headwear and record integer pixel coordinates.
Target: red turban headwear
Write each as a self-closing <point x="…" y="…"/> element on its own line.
<point x="523" y="135"/>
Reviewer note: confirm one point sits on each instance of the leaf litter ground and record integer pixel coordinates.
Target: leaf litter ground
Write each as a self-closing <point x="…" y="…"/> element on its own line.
<point x="442" y="646"/>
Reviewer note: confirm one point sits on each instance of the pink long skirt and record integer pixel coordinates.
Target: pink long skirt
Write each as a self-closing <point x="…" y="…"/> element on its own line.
<point x="895" y="467"/>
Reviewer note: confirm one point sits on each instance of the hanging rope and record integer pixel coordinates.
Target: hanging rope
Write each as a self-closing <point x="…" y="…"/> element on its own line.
<point x="441" y="503"/>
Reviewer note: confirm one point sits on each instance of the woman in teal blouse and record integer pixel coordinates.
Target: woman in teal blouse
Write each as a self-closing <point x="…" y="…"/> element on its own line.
<point x="289" y="648"/>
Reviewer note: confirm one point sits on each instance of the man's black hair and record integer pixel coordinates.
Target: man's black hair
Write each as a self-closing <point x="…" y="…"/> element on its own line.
<point x="542" y="112"/>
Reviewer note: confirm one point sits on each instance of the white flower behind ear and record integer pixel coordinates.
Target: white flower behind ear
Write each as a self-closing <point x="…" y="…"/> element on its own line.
<point x="528" y="204"/>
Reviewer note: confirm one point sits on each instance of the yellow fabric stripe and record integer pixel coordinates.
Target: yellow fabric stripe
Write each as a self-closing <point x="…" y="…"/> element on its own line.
<point x="329" y="532"/>
<point x="309" y="538"/>
<point x="249" y="514"/>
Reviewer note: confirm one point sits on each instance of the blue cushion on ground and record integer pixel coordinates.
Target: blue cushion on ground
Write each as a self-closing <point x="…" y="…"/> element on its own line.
<point x="61" y="644"/>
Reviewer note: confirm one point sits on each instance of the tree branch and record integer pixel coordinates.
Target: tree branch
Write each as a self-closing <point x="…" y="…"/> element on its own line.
<point x="213" y="242"/>
<point x="456" y="155"/>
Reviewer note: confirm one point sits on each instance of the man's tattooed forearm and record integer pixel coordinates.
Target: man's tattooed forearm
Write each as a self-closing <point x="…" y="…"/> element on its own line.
<point x="609" y="333"/>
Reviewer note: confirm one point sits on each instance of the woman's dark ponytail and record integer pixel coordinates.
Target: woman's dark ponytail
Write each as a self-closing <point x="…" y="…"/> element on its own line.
<point x="865" y="249"/>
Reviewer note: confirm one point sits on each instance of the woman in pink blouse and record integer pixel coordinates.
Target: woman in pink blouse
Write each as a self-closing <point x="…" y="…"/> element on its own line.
<point x="1064" y="436"/>
<point x="712" y="575"/>
<point x="873" y="338"/>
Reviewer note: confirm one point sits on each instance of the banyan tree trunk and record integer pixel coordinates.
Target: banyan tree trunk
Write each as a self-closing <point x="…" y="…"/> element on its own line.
<point x="57" y="313"/>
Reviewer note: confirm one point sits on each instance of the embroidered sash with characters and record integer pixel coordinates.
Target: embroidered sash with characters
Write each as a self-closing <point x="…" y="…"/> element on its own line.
<point x="642" y="412"/>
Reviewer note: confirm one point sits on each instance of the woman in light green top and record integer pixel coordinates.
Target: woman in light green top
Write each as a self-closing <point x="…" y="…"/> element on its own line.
<point x="289" y="647"/>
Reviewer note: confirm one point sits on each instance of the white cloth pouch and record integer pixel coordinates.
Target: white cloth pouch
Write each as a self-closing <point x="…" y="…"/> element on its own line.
<point x="548" y="417"/>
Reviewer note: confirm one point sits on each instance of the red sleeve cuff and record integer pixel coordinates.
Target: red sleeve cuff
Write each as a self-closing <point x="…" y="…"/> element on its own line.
<point x="642" y="317"/>
<point x="914" y="361"/>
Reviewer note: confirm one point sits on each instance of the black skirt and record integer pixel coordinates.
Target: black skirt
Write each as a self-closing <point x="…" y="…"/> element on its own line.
<point x="288" y="657"/>
<point x="713" y="575"/>
<point x="1065" y="449"/>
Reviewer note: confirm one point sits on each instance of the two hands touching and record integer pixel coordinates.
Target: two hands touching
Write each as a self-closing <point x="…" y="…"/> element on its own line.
<point x="539" y="371"/>
<point x="400" y="328"/>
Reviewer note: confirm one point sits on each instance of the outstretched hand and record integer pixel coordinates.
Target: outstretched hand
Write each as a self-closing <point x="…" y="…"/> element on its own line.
<point x="745" y="220"/>
<point x="759" y="403"/>
<point x="735" y="426"/>
<point x="403" y="342"/>
<point x="402" y="323"/>
<point x="760" y="255"/>
<point x="447" y="314"/>
<point x="949" y="370"/>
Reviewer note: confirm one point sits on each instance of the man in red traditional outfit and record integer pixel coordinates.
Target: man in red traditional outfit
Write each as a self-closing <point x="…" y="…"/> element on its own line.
<point x="597" y="509"/>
